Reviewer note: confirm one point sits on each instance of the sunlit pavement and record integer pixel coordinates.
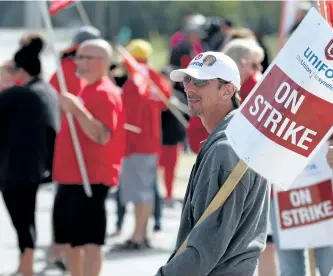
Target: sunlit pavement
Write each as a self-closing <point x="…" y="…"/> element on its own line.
<point x="141" y="263"/>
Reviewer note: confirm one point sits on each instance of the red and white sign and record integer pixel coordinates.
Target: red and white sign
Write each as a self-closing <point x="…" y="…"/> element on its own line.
<point x="307" y="208"/>
<point x="288" y="114"/>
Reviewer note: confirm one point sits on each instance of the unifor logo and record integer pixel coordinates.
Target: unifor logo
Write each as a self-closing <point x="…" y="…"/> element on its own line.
<point x="329" y="50"/>
<point x="198" y="57"/>
<point x="311" y="167"/>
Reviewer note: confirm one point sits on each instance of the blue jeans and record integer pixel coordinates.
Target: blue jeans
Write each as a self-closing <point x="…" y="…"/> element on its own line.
<point x="121" y="208"/>
<point x="292" y="262"/>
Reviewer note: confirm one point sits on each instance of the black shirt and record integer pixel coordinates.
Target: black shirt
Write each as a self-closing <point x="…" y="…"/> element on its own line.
<point x="173" y="131"/>
<point x="29" y="121"/>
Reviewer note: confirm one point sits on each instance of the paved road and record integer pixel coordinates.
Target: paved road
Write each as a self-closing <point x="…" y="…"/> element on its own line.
<point x="119" y="264"/>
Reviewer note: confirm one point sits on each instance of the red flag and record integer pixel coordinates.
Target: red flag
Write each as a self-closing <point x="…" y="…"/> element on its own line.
<point x="326" y="9"/>
<point x="162" y="83"/>
<point x="139" y="72"/>
<point x="57" y="5"/>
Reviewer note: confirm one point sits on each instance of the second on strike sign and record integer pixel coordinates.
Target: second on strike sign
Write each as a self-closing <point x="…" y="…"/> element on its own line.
<point x="305" y="211"/>
<point x="288" y="115"/>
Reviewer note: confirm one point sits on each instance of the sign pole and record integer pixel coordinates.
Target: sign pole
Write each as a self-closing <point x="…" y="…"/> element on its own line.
<point x="312" y="261"/>
<point x="63" y="89"/>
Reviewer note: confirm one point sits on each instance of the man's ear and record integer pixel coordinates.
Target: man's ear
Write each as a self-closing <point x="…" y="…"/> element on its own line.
<point x="227" y="91"/>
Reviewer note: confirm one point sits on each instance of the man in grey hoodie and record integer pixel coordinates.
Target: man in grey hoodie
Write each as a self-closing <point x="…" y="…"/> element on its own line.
<point x="231" y="239"/>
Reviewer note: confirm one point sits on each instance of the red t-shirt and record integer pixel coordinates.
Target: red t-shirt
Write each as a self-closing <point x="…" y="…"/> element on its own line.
<point x="103" y="163"/>
<point x="196" y="133"/>
<point x="248" y="85"/>
<point x="73" y="83"/>
<point x="144" y="112"/>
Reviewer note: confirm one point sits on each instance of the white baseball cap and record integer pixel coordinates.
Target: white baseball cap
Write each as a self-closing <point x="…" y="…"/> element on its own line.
<point x="210" y="65"/>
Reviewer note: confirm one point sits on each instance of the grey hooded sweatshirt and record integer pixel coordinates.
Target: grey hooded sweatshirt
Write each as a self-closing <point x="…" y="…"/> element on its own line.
<point x="231" y="239"/>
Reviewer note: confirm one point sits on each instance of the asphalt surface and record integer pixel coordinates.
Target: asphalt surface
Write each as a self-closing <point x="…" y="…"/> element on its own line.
<point x="116" y="263"/>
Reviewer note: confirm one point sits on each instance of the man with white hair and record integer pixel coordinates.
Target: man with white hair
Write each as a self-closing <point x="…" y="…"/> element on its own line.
<point x="248" y="55"/>
<point x="231" y="239"/>
<point x="99" y="120"/>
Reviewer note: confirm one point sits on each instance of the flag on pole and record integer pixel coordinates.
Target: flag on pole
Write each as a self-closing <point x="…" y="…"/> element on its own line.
<point x="326" y="10"/>
<point x="57" y="5"/>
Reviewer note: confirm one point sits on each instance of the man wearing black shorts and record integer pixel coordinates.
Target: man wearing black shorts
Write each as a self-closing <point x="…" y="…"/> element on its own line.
<point x="80" y="221"/>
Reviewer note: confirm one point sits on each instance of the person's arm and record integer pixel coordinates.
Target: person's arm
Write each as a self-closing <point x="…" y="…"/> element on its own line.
<point x="93" y="128"/>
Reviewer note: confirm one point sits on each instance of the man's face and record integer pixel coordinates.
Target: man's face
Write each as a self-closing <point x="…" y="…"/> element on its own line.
<point x="249" y="66"/>
<point x="89" y="62"/>
<point x="203" y="95"/>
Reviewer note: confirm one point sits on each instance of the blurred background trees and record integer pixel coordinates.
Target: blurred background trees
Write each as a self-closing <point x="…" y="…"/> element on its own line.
<point x="144" y="17"/>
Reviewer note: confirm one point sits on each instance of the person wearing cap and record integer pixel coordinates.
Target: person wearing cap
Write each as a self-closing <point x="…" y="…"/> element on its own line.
<point x="231" y="239"/>
<point x="248" y="56"/>
<point x="187" y="47"/>
<point x="139" y="171"/>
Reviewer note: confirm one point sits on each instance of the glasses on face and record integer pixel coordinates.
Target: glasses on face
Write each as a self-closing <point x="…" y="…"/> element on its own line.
<point x="87" y="57"/>
<point x="256" y="66"/>
<point x="199" y="83"/>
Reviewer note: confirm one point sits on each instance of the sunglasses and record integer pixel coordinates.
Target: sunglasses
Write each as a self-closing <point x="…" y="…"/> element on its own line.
<point x="87" y="57"/>
<point x="199" y="83"/>
<point x="256" y="65"/>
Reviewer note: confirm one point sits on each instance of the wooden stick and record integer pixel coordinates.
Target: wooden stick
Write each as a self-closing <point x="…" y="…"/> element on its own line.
<point x="63" y="89"/>
<point x="132" y="128"/>
<point x="312" y="262"/>
<point x="222" y="195"/>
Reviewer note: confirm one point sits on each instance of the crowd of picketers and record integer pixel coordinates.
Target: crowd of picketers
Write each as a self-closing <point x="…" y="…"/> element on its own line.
<point x="36" y="145"/>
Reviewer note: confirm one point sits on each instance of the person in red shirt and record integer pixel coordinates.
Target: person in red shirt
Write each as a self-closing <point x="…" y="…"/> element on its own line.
<point x="74" y="85"/>
<point x="142" y="150"/>
<point x="99" y="120"/>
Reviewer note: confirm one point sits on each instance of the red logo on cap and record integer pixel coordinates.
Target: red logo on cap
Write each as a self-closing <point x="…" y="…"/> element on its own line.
<point x="329" y="50"/>
<point x="198" y="56"/>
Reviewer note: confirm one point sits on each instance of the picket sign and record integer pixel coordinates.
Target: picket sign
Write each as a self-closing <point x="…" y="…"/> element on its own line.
<point x="287" y="116"/>
<point x="307" y="207"/>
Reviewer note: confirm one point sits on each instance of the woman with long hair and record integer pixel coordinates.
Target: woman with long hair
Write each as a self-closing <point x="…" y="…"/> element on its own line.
<point x="29" y="121"/>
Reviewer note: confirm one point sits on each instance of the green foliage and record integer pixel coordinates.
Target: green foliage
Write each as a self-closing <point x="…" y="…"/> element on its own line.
<point x="166" y="16"/>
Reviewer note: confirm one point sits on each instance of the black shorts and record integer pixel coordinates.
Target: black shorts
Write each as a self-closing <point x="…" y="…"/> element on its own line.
<point x="77" y="219"/>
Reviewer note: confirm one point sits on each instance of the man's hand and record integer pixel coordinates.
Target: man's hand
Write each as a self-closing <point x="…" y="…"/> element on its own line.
<point x="329" y="155"/>
<point x="68" y="102"/>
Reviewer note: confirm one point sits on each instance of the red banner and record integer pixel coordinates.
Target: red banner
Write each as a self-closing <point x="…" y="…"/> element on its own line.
<point x="287" y="114"/>
<point x="57" y="5"/>
<point x="304" y="206"/>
